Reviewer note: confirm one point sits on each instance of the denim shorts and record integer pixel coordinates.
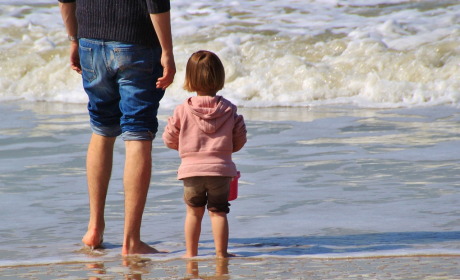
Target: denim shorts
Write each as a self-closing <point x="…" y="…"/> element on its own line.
<point x="210" y="190"/>
<point x="120" y="80"/>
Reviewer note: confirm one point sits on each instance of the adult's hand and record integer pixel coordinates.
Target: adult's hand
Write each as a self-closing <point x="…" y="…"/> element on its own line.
<point x="162" y="24"/>
<point x="70" y="21"/>
<point x="169" y="70"/>
<point x="75" y="57"/>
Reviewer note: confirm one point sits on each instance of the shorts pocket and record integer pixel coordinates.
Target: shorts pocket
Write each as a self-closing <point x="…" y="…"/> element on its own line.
<point x="86" y="61"/>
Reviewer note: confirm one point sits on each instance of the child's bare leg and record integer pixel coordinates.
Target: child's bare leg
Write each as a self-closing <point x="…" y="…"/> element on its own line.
<point x="220" y="232"/>
<point x="193" y="230"/>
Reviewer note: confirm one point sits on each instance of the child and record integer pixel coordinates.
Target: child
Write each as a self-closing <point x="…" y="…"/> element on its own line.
<point x="206" y="130"/>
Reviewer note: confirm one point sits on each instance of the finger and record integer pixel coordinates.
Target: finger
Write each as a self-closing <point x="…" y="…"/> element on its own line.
<point x="164" y="81"/>
<point x="162" y="86"/>
<point x="76" y="67"/>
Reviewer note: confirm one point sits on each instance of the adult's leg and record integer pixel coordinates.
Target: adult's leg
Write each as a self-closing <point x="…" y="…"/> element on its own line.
<point x="138" y="169"/>
<point x="139" y="104"/>
<point x="99" y="168"/>
<point x="192" y="230"/>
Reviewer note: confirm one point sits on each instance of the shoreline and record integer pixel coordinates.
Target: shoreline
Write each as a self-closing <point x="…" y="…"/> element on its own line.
<point x="209" y="258"/>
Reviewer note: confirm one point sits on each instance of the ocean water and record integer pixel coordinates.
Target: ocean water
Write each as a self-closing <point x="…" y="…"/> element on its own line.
<point x="353" y="117"/>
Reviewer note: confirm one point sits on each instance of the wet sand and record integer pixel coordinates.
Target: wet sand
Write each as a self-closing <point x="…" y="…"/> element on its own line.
<point x="413" y="267"/>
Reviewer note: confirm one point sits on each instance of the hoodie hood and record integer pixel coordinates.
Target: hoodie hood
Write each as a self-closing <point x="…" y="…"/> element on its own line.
<point x="209" y="112"/>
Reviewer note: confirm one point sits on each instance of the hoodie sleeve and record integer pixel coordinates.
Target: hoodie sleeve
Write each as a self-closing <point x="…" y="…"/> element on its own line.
<point x="172" y="129"/>
<point x="239" y="133"/>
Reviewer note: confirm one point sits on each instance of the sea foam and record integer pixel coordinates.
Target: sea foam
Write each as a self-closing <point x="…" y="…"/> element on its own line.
<point x="380" y="54"/>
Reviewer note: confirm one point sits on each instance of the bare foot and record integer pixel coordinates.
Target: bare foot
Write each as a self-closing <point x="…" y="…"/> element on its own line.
<point x="187" y="255"/>
<point x="93" y="239"/>
<point x="226" y="255"/>
<point x="140" y="249"/>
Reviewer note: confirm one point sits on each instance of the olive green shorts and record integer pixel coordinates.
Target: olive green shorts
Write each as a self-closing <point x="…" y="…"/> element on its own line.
<point x="208" y="190"/>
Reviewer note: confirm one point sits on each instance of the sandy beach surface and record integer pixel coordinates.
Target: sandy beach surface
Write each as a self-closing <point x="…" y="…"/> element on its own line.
<point x="413" y="267"/>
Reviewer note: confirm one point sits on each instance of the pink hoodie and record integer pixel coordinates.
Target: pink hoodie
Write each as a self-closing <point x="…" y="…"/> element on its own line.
<point x="206" y="131"/>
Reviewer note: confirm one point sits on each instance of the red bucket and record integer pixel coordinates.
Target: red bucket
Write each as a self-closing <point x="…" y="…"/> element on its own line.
<point x="234" y="188"/>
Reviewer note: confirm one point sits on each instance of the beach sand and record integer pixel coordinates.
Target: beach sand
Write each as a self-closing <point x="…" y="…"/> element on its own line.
<point x="413" y="267"/>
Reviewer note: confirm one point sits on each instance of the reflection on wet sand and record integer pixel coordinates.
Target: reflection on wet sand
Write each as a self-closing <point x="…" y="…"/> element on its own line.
<point x="97" y="268"/>
<point x="221" y="270"/>
<point x="136" y="267"/>
<point x="398" y="268"/>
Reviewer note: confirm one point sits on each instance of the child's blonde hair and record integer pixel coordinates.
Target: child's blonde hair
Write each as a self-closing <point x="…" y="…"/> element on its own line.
<point x="204" y="72"/>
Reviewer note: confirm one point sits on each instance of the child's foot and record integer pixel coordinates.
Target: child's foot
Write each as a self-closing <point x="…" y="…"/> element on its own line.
<point x="225" y="255"/>
<point x="187" y="255"/>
